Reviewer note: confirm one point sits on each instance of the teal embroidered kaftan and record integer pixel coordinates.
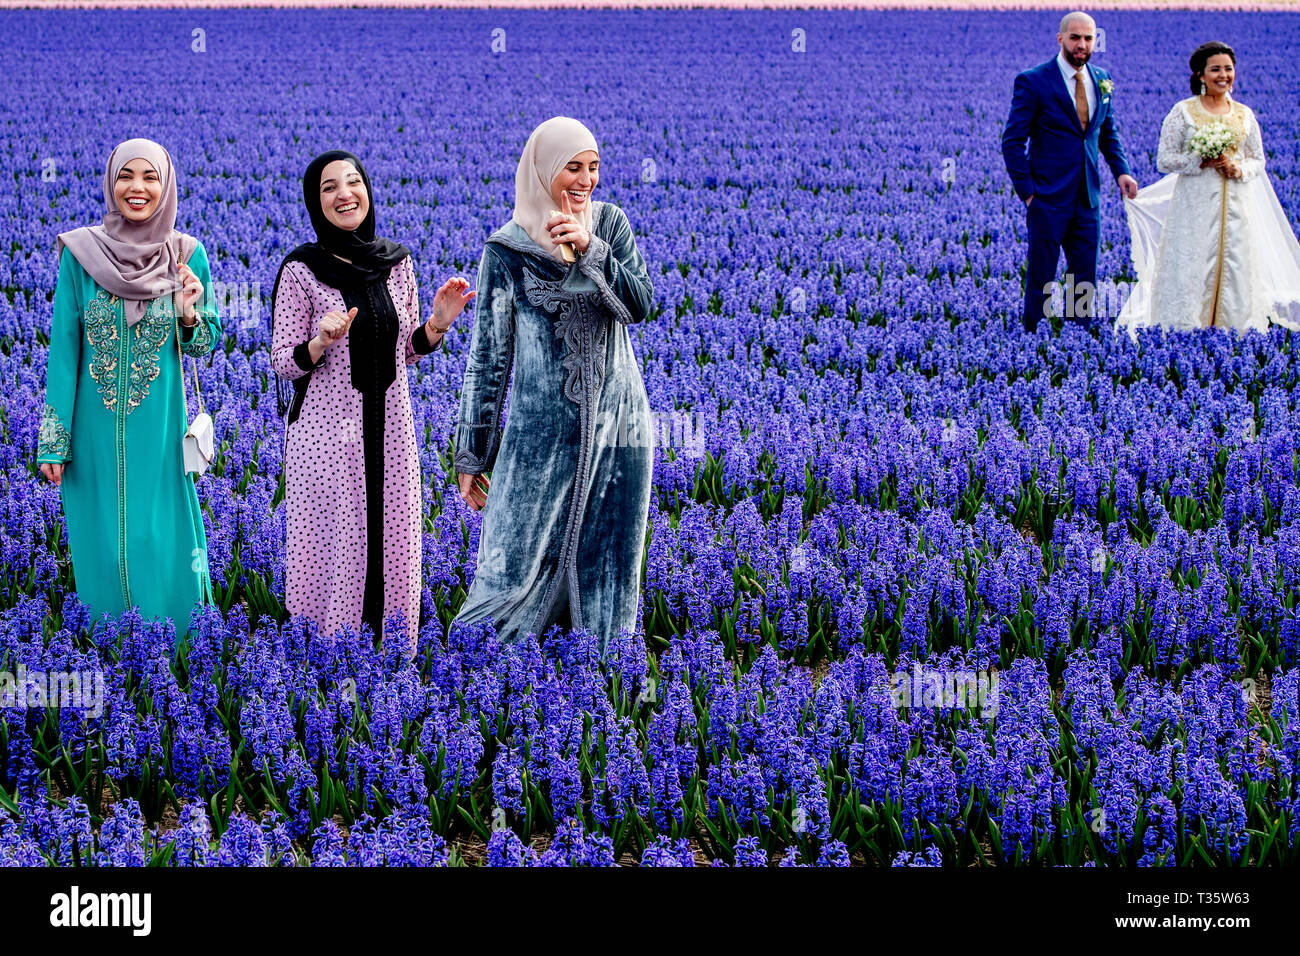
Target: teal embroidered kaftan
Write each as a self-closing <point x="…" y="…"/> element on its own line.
<point x="115" y="417"/>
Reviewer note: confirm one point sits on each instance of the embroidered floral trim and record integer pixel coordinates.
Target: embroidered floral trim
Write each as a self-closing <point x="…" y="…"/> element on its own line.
<point x="102" y="331"/>
<point x="200" y="343"/>
<point x="584" y="332"/>
<point x="53" y="441"/>
<point x="150" y="334"/>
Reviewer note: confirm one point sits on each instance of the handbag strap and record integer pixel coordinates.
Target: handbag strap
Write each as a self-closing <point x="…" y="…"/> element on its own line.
<point x="198" y="394"/>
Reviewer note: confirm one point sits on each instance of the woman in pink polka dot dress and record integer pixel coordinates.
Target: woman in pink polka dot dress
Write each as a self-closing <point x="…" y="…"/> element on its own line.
<point x="346" y="324"/>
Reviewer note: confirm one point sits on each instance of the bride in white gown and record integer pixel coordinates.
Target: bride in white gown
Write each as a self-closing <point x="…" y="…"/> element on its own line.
<point x="1211" y="244"/>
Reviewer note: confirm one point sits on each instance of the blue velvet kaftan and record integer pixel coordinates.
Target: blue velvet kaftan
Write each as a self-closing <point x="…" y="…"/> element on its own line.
<point x="563" y="531"/>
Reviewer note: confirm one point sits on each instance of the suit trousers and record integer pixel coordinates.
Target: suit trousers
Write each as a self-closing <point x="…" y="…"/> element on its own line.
<point x="1077" y="229"/>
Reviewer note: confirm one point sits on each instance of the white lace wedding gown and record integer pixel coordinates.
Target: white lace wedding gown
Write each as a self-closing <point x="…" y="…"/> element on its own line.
<point x="1209" y="250"/>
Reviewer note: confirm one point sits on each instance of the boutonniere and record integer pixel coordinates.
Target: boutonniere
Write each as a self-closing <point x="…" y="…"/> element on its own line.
<point x="1106" y="86"/>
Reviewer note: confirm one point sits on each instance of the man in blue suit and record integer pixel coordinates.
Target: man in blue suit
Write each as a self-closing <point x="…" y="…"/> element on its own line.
<point x="1061" y="108"/>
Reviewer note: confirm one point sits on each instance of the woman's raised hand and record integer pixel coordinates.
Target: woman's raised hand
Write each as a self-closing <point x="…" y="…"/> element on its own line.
<point x="448" y="302"/>
<point x="564" y="227"/>
<point x="474" y="489"/>
<point x="190" y="291"/>
<point x="335" y="325"/>
<point x="191" y="287"/>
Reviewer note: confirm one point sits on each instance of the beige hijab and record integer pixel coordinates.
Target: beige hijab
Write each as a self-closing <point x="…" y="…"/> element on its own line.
<point x="134" y="260"/>
<point x="548" y="150"/>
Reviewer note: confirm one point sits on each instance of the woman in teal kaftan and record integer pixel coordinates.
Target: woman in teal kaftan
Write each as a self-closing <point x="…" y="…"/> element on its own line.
<point x="115" y="416"/>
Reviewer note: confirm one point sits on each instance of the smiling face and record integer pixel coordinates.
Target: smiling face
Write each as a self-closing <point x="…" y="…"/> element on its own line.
<point x="578" y="178"/>
<point x="343" y="195"/>
<point x="1076" y="39"/>
<point x="1218" y="74"/>
<point x="137" y="190"/>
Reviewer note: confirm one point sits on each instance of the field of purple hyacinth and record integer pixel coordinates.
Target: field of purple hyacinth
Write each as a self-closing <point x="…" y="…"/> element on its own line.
<point x="920" y="588"/>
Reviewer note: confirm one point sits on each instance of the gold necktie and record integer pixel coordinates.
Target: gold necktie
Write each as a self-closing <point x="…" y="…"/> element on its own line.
<point x="1081" y="100"/>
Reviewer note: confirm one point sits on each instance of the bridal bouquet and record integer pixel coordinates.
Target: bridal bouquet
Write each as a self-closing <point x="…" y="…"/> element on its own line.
<point x="1213" y="139"/>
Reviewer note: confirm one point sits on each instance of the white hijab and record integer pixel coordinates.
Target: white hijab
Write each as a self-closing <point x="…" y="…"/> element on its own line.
<point x="548" y="150"/>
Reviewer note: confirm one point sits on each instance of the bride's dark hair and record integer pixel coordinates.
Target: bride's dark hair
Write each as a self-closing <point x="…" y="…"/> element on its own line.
<point x="1202" y="55"/>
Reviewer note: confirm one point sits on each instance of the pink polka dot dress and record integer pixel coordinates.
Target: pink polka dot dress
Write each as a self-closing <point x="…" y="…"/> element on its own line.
<point x="330" y="479"/>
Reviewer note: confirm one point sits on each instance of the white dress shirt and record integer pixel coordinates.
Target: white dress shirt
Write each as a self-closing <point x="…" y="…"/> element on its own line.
<point x="1067" y="72"/>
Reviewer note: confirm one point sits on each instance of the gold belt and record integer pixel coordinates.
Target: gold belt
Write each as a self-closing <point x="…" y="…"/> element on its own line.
<point x="1223" y="224"/>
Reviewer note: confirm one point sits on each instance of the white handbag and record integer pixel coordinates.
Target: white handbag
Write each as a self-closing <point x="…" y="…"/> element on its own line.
<point x="198" y="445"/>
<point x="198" y="440"/>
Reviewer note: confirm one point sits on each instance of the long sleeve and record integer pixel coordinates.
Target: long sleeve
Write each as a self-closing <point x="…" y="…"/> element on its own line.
<point x="54" y="442"/>
<point x="413" y="332"/>
<point x="294" y="326"/>
<point x="1252" y="150"/>
<point x="202" y="338"/>
<point x="1173" y="156"/>
<point x="616" y="266"/>
<point x="487" y="370"/>
<point x="1015" y="135"/>
<point x="1108" y="142"/>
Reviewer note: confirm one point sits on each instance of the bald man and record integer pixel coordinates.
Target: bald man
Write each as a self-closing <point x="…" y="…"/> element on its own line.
<point x="1061" y="111"/>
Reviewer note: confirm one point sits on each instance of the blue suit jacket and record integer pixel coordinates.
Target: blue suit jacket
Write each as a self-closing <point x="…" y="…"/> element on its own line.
<point x="1043" y="115"/>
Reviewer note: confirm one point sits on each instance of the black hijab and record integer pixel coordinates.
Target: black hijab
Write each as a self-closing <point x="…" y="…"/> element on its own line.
<point x="363" y="281"/>
<point x="371" y="258"/>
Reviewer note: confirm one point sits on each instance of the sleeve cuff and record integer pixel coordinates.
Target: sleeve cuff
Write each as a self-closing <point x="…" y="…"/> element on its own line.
<point x="54" y="442"/>
<point x="593" y="260"/>
<point x="302" y="358"/>
<point x="476" y="448"/>
<point x="197" y="340"/>
<point x="420" y="341"/>
<point x="592" y="264"/>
